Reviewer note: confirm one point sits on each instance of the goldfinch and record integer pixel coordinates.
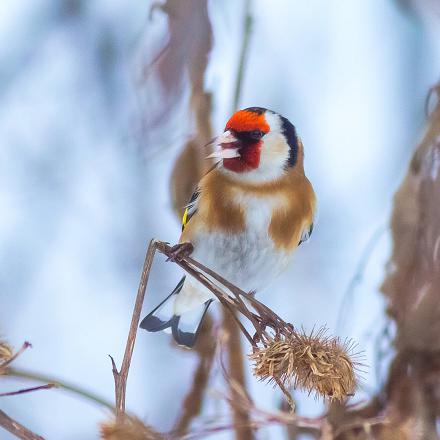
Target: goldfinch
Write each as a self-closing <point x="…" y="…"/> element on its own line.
<point x="245" y="219"/>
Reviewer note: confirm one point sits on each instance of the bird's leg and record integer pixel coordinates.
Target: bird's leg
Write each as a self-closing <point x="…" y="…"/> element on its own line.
<point x="180" y="251"/>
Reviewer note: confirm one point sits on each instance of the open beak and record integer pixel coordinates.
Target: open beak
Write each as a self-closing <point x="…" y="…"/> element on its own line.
<point x="226" y="146"/>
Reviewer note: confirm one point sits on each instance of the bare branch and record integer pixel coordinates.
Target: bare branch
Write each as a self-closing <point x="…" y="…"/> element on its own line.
<point x="48" y="386"/>
<point x="16" y="428"/>
<point x="122" y="375"/>
<point x="61" y="384"/>
<point x="247" y="31"/>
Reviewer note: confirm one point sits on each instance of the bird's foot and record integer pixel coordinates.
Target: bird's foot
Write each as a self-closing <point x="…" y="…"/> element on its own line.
<point x="180" y="251"/>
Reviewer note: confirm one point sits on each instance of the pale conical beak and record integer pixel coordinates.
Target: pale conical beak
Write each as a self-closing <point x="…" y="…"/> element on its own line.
<point x="225" y="146"/>
<point x="227" y="153"/>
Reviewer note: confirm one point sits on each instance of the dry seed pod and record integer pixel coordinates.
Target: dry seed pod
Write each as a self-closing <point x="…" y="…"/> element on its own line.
<point x="128" y="428"/>
<point x="5" y="351"/>
<point x="313" y="362"/>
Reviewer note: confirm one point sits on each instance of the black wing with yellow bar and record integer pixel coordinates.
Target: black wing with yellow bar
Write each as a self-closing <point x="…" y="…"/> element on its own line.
<point x="190" y="209"/>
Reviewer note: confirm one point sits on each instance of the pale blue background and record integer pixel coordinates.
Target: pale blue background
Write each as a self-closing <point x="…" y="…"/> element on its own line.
<point x="83" y="185"/>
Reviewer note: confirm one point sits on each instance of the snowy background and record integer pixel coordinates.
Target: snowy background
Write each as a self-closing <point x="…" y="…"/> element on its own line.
<point x="83" y="187"/>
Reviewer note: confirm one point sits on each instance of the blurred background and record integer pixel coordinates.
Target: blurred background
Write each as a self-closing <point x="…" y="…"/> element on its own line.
<point x="90" y="135"/>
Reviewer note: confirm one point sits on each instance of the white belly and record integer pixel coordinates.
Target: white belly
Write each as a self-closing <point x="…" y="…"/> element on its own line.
<point x="248" y="259"/>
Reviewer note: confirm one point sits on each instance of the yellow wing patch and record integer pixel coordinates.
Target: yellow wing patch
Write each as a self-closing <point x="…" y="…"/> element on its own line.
<point x="185" y="219"/>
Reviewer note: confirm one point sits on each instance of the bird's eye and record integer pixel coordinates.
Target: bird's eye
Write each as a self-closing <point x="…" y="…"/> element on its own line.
<point x="256" y="134"/>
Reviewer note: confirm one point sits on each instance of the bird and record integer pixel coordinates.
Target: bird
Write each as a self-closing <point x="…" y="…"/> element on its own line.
<point x="245" y="219"/>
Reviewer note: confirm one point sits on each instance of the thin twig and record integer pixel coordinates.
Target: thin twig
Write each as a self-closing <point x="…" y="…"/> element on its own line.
<point x="48" y="386"/>
<point x="16" y="428"/>
<point x="247" y="30"/>
<point x="358" y="275"/>
<point x="121" y="376"/>
<point x="286" y="394"/>
<point x="373" y="421"/>
<point x="30" y="375"/>
<point x="261" y="417"/>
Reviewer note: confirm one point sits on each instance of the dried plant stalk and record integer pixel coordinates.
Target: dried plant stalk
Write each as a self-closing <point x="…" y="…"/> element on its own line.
<point x="7" y="356"/>
<point x="205" y="349"/>
<point x="315" y="362"/>
<point x="121" y="376"/>
<point x="16" y="428"/>
<point x="128" y="428"/>
<point x="240" y="415"/>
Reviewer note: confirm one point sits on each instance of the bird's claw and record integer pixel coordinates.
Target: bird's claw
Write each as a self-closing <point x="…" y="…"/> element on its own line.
<point x="180" y="251"/>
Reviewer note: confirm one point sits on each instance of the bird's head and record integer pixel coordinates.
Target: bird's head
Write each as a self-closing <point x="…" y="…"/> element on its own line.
<point x="257" y="145"/>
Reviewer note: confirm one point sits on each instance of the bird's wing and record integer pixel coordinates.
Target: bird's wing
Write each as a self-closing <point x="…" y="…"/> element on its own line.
<point x="190" y="208"/>
<point x="306" y="234"/>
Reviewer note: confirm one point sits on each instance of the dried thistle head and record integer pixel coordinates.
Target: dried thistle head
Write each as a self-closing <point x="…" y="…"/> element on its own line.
<point x="128" y="428"/>
<point x="313" y="362"/>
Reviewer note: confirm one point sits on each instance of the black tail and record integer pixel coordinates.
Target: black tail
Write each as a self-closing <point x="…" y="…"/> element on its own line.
<point x="185" y="328"/>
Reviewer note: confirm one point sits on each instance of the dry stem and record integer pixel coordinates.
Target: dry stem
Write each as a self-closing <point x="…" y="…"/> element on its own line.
<point x="122" y="375"/>
<point x="240" y="415"/>
<point x="47" y="386"/>
<point x="16" y="428"/>
<point x="60" y="384"/>
<point x="192" y="405"/>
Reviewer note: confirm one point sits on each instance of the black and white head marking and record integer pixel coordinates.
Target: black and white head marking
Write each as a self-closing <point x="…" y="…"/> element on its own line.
<point x="289" y="132"/>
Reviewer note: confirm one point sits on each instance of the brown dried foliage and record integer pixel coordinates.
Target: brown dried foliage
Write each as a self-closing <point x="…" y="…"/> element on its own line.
<point x="410" y="400"/>
<point x="413" y="284"/>
<point x="128" y="428"/>
<point x="185" y="55"/>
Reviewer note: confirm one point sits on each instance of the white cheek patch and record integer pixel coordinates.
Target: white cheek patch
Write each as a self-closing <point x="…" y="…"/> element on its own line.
<point x="274" y="152"/>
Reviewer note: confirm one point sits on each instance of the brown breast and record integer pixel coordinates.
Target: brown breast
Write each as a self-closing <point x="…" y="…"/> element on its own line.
<point x="217" y="210"/>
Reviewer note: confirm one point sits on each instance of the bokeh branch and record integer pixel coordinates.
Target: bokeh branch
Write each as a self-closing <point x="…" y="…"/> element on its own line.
<point x="244" y="50"/>
<point x="21" y="373"/>
<point x="7" y="356"/>
<point x="205" y="348"/>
